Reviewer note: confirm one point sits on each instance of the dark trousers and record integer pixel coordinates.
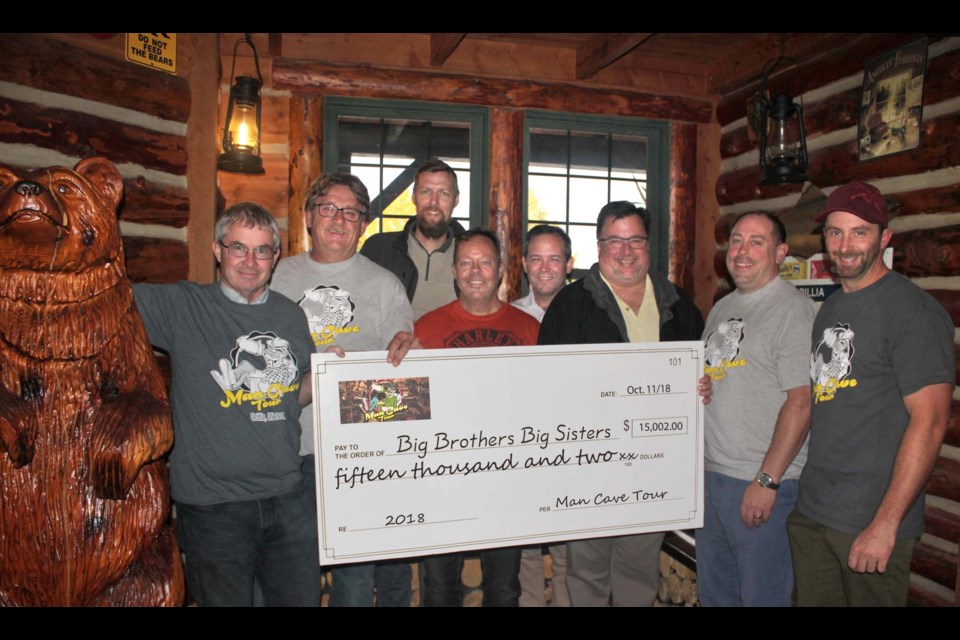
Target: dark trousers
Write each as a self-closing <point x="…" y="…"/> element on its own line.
<point x="501" y="578"/>
<point x="229" y="545"/>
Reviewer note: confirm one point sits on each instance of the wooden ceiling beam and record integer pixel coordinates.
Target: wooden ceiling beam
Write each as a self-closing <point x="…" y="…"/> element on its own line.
<point x="315" y="78"/>
<point x="275" y="44"/>
<point x="442" y="45"/>
<point x="743" y="64"/>
<point x="604" y="49"/>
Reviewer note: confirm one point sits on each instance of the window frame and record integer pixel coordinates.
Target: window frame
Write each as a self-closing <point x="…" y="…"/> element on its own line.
<point x="657" y="134"/>
<point x="476" y="116"/>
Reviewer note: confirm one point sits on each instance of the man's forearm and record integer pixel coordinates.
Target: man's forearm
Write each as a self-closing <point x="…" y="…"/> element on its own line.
<point x="929" y="411"/>
<point x="793" y="424"/>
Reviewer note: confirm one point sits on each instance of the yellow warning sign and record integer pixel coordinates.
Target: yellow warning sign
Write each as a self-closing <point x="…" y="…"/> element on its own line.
<point x="157" y="50"/>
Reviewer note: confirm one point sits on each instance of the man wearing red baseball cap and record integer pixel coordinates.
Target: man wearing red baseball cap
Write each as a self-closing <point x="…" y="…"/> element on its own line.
<point x="882" y="371"/>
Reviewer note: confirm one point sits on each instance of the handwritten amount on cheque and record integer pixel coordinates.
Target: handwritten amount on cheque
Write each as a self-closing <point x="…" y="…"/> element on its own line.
<point x="350" y="477"/>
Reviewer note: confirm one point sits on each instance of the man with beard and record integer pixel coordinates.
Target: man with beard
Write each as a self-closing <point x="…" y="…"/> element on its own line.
<point x="421" y="255"/>
<point x="882" y="370"/>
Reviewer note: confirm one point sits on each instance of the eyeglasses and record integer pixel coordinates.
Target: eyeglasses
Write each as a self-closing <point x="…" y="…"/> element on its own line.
<point x="636" y="242"/>
<point x="330" y="211"/>
<point x="240" y="250"/>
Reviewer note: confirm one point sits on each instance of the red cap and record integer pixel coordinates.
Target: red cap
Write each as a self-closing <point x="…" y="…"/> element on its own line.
<point x="859" y="198"/>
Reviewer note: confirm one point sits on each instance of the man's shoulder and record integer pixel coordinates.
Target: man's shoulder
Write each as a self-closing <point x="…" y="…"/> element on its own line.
<point x="516" y="314"/>
<point x="282" y="302"/>
<point x="170" y="293"/>
<point x="383" y="242"/>
<point x="572" y="291"/>
<point x="290" y="262"/>
<point x="373" y="271"/>
<point x="440" y="313"/>
<point x="289" y="268"/>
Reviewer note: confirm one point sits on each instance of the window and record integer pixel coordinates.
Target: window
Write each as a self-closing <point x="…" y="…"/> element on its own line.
<point x="383" y="142"/>
<point x="575" y="164"/>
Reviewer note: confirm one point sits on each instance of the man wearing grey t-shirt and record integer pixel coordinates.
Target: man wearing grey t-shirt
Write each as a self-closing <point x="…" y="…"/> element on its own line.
<point x="351" y="304"/>
<point x="757" y="344"/>
<point x="882" y="370"/>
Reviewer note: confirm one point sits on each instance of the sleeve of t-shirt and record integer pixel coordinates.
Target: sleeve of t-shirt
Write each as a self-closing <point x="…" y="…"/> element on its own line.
<point x="923" y="353"/>
<point x="793" y="355"/>
<point x="398" y="314"/>
<point x="155" y="303"/>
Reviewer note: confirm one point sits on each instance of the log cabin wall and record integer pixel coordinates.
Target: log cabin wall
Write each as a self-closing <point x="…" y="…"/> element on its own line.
<point x="922" y="186"/>
<point x="300" y="69"/>
<point x="66" y="97"/>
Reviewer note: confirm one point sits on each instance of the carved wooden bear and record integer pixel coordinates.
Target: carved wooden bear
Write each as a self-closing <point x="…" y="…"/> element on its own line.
<point x="84" y="418"/>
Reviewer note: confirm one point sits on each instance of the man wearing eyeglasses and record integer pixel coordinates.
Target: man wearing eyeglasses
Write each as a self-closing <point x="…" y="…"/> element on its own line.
<point x="351" y="304"/>
<point x="238" y="354"/>
<point x="422" y="254"/>
<point x="619" y="300"/>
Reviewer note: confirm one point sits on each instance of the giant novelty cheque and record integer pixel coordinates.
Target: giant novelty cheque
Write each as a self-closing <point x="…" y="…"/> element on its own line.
<point x="461" y="449"/>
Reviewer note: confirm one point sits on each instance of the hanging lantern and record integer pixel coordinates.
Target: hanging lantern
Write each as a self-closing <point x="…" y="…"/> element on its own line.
<point x="783" y="143"/>
<point x="241" y="133"/>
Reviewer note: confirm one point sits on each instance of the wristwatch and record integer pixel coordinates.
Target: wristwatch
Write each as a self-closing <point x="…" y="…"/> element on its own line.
<point x="766" y="481"/>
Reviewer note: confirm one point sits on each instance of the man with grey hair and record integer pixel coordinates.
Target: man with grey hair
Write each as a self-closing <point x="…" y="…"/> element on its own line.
<point x="351" y="304"/>
<point x="243" y="514"/>
<point x="421" y="255"/>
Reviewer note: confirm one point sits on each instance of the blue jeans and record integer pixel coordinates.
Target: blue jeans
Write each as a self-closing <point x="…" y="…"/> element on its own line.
<point x="272" y="540"/>
<point x="501" y="578"/>
<point x="738" y="566"/>
<point x="354" y="584"/>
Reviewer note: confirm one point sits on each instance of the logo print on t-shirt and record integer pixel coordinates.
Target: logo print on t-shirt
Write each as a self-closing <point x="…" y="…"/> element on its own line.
<point x="482" y="337"/>
<point x="831" y="362"/>
<point x="329" y="310"/>
<point x="723" y="349"/>
<point x="261" y="368"/>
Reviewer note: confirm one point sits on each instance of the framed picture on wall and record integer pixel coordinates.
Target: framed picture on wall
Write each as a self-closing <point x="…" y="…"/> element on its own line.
<point x="892" y="103"/>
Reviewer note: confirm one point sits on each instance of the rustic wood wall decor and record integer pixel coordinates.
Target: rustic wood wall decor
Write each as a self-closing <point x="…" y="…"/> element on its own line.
<point x="891" y="106"/>
<point x="84" y="418"/>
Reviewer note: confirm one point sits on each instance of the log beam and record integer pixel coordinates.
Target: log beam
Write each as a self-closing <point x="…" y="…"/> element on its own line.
<point x="683" y="200"/>
<point x="604" y="49"/>
<point x="442" y="46"/>
<point x="506" y="192"/>
<point x="313" y="79"/>
<point x="204" y="65"/>
<point x="306" y="140"/>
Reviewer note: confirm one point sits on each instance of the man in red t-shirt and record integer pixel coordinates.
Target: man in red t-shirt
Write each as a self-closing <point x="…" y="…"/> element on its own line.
<point x="477" y="318"/>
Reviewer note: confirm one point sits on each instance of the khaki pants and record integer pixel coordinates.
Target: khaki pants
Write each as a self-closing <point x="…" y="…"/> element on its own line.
<point x="824" y="579"/>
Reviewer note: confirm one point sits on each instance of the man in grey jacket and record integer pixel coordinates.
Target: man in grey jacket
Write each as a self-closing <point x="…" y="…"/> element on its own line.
<point x="422" y="254"/>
